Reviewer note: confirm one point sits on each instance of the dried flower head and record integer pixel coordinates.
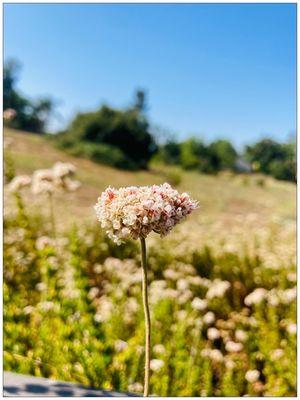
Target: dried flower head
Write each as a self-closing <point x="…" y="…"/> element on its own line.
<point x="136" y="211"/>
<point x="57" y="178"/>
<point x="252" y="375"/>
<point x="19" y="182"/>
<point x="9" y="114"/>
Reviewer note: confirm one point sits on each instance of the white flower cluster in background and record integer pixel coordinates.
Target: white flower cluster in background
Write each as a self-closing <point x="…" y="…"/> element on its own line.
<point x="47" y="180"/>
<point x="9" y="114"/>
<point x="136" y="211"/>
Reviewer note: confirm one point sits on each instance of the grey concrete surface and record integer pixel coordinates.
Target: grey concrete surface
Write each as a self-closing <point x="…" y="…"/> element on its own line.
<point x="27" y="386"/>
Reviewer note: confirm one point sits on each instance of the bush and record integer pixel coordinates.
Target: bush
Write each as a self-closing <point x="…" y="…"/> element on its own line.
<point x="283" y="170"/>
<point x="127" y="131"/>
<point x="173" y="178"/>
<point x="273" y="158"/>
<point x="103" y="153"/>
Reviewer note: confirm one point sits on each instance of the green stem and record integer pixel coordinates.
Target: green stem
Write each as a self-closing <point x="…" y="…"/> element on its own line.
<point x="52" y="218"/>
<point x="147" y="318"/>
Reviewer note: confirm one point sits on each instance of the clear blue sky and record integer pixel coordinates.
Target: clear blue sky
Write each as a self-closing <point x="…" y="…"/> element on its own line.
<point x="211" y="70"/>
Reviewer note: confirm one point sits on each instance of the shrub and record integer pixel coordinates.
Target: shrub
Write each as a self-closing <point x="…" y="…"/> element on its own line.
<point x="127" y="131"/>
<point x="103" y="153"/>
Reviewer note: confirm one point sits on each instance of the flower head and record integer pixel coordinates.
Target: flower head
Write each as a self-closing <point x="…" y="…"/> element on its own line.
<point x="9" y="114"/>
<point x="252" y="375"/>
<point x="136" y="211"/>
<point x="19" y="182"/>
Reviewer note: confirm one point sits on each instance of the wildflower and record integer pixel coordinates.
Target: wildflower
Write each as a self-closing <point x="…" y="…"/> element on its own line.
<point x="229" y="364"/>
<point x="43" y="242"/>
<point x="292" y="276"/>
<point x="120" y="345"/>
<point x="18" y="183"/>
<point x="57" y="177"/>
<point x="217" y="289"/>
<point x="46" y="305"/>
<point x="185" y="296"/>
<point x="289" y="295"/>
<point x="181" y="315"/>
<point x="291" y="329"/>
<point x="182" y="284"/>
<point x="71" y="185"/>
<point x="241" y="335"/>
<point x="209" y="318"/>
<point x="93" y="293"/>
<point x="98" y="268"/>
<point x="9" y="114"/>
<point x="136" y="211"/>
<point x="216" y="355"/>
<point x="41" y="286"/>
<point x="156" y="365"/>
<point x="171" y="274"/>
<point x="196" y="280"/>
<point x="135" y="387"/>
<point x="252" y="375"/>
<point x="199" y="304"/>
<point x="256" y="297"/>
<point x="159" y="349"/>
<point x="62" y="170"/>
<point x="233" y="347"/>
<point x="213" y="334"/>
<point x="213" y="354"/>
<point x="28" y="310"/>
<point x="277" y="354"/>
<point x="132" y="305"/>
<point x="98" y="318"/>
<point x="41" y="187"/>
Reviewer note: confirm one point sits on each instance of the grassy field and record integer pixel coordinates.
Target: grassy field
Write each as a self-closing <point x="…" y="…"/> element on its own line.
<point x="72" y="302"/>
<point x="221" y="197"/>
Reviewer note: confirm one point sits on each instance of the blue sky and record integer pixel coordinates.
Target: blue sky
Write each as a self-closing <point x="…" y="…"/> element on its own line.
<point x="211" y="70"/>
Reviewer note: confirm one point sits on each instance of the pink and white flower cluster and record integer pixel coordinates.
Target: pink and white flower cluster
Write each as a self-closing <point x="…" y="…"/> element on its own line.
<point x="136" y="211"/>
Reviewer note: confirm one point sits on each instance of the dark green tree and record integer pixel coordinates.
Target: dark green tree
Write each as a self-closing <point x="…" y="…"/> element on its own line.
<point x="222" y="154"/>
<point x="273" y="158"/>
<point x="127" y="130"/>
<point x="30" y="115"/>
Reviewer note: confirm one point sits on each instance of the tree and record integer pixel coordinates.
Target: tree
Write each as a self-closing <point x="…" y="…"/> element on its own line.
<point x="126" y="130"/>
<point x="30" y="116"/>
<point x="223" y="154"/>
<point x="273" y="158"/>
<point x="140" y="103"/>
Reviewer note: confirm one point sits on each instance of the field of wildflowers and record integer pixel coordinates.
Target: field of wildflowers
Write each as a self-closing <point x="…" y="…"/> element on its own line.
<point x="222" y="288"/>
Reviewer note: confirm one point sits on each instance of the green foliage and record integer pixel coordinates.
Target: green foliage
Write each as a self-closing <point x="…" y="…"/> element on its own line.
<point x="273" y="158"/>
<point x="217" y="156"/>
<point x="124" y="133"/>
<point x="30" y="116"/>
<point x="174" y="178"/>
<point x="193" y="154"/>
<point x="9" y="169"/>
<point x="53" y="289"/>
<point x="223" y="153"/>
<point x="169" y="153"/>
<point x="102" y="153"/>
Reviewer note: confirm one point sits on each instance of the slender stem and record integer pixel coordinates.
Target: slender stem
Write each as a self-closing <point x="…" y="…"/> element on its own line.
<point x="52" y="217"/>
<point x="147" y="318"/>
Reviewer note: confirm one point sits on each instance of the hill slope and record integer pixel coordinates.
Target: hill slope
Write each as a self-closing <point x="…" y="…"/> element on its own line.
<point x="222" y="198"/>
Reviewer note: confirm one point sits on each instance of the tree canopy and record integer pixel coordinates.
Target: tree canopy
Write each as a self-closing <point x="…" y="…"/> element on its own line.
<point x="126" y="130"/>
<point x="30" y="115"/>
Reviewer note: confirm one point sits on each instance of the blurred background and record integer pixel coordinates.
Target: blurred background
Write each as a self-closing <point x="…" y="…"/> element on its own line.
<point x="202" y="96"/>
